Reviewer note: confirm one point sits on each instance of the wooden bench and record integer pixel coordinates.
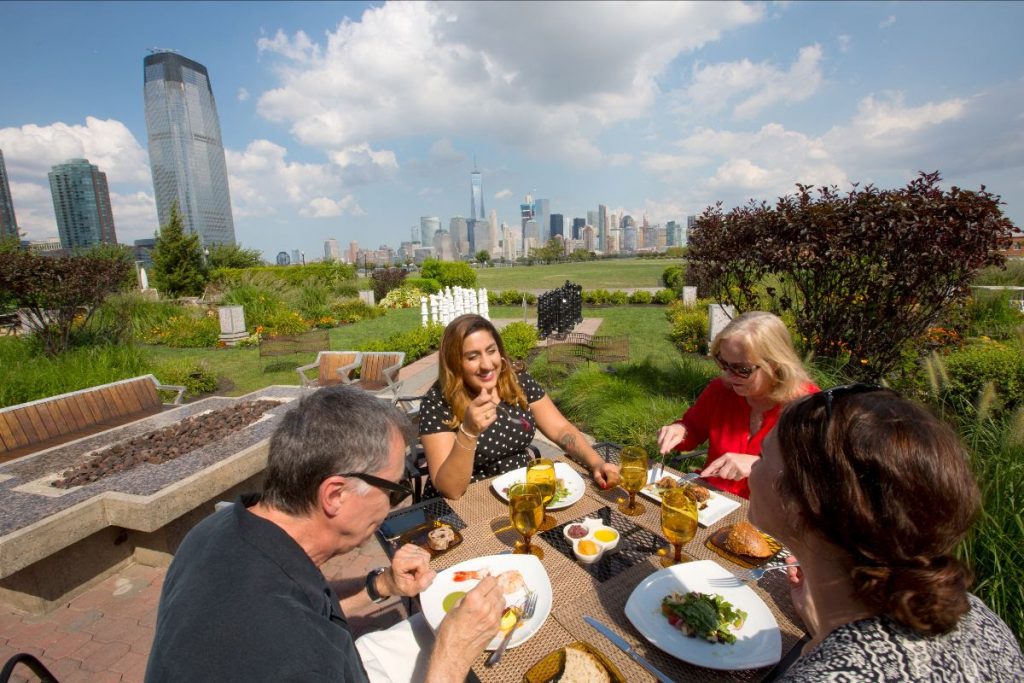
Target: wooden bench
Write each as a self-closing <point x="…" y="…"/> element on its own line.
<point x="34" y="426"/>
<point x="579" y="347"/>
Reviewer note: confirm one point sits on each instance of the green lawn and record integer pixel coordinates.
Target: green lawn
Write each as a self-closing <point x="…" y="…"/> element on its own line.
<point x="609" y="274"/>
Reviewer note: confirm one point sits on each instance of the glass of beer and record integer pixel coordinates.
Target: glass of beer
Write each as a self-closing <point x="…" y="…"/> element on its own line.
<point x="633" y="473"/>
<point x="542" y="473"/>
<point x="678" y="521"/>
<point x="525" y="512"/>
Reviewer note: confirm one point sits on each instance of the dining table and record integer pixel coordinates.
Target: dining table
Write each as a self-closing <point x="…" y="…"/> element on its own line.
<point x="601" y="590"/>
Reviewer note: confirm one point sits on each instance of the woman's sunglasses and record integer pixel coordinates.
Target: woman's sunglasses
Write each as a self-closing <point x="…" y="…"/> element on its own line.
<point x="845" y="390"/>
<point x="737" y="369"/>
<point x="396" y="492"/>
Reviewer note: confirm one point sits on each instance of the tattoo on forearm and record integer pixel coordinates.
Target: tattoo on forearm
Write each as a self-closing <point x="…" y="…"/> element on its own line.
<point x="568" y="442"/>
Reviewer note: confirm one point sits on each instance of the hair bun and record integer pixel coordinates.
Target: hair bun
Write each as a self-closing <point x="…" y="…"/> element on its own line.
<point x="927" y="595"/>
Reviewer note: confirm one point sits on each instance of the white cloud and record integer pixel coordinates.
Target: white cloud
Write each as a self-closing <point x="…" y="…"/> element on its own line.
<point x="503" y="194"/>
<point x="324" y="207"/>
<point x="715" y="85"/>
<point x="134" y="215"/>
<point x="31" y="150"/>
<point x="888" y="21"/>
<point x="449" y="69"/>
<point x="360" y="164"/>
<point x="844" y="42"/>
<point x="243" y="94"/>
<point x="880" y="120"/>
<point x="444" y="152"/>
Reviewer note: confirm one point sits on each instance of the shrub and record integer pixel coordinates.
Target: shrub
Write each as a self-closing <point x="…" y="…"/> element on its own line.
<point x="261" y="301"/>
<point x="992" y="314"/>
<point x="971" y="369"/>
<point x="285" y="322"/>
<point x="196" y="377"/>
<point x="866" y="273"/>
<point x="127" y="317"/>
<point x="618" y="298"/>
<point x="403" y="297"/>
<point x="416" y="343"/>
<point x="664" y="296"/>
<point x="354" y="310"/>
<point x="187" y="330"/>
<point x="689" y="327"/>
<point x="519" y="339"/>
<point x="334" y="275"/>
<point x="640" y="297"/>
<point x="674" y="277"/>
<point x="313" y="300"/>
<point x="596" y="296"/>
<point x="386" y="279"/>
<point x="510" y="297"/>
<point x="424" y="284"/>
<point x="449" y="273"/>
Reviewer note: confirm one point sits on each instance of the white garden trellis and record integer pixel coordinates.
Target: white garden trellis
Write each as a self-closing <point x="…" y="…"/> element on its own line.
<point x="451" y="302"/>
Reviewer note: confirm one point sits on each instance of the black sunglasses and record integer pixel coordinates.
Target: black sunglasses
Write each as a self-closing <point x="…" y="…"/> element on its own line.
<point x="396" y="492"/>
<point x="846" y="390"/>
<point x="743" y="371"/>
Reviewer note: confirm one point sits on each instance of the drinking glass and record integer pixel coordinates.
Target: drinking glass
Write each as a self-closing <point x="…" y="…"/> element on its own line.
<point x="678" y="521"/>
<point x="633" y="474"/>
<point x="525" y="511"/>
<point x="542" y="473"/>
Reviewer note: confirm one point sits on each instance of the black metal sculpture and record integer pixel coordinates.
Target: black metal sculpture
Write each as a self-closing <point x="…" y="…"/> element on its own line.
<point x="559" y="310"/>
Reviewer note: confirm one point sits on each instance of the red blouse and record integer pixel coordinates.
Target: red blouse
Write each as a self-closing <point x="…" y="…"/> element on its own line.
<point x="722" y="418"/>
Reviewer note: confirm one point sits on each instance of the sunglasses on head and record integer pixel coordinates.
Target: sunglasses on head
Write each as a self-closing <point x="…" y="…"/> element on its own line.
<point x="737" y="369"/>
<point x="845" y="390"/>
<point x="396" y="492"/>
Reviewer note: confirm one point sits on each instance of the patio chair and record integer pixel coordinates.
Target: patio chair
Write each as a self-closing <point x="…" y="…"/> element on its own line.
<point x="379" y="371"/>
<point x="333" y="367"/>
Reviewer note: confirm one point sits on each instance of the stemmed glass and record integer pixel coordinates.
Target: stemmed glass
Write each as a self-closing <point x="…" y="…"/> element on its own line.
<point x="525" y="511"/>
<point x="633" y="473"/>
<point x="678" y="521"/>
<point x="542" y="473"/>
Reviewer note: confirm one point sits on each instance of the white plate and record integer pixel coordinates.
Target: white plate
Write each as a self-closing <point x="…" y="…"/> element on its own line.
<point x="570" y="478"/>
<point x="534" y="576"/>
<point x="718" y="506"/>
<point x="758" y="641"/>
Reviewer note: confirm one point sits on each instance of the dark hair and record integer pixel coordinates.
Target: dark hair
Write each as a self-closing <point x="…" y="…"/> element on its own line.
<point x="889" y="483"/>
<point x="449" y="367"/>
<point x="334" y="429"/>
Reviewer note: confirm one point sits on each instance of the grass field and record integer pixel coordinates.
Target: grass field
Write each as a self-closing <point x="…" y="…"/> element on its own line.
<point x="610" y="274"/>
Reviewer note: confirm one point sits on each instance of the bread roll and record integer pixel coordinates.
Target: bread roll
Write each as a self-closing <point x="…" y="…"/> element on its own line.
<point x="744" y="539"/>
<point x="583" y="667"/>
<point x="441" y="537"/>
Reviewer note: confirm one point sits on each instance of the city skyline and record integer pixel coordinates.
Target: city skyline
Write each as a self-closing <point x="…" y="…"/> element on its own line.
<point x="351" y="121"/>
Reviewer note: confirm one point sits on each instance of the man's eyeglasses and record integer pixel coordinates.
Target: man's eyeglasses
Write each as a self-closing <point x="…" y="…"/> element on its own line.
<point x="737" y="369"/>
<point x="396" y="492"/>
<point x="845" y="390"/>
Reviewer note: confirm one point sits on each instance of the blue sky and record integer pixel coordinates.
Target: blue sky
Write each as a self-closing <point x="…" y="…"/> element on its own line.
<point x="352" y="120"/>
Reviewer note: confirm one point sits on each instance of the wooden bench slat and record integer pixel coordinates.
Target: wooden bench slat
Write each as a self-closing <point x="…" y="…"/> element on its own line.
<point x="52" y="411"/>
<point x="148" y="395"/>
<point x="7" y="436"/>
<point x="49" y="421"/>
<point x="14" y="424"/>
<point x="114" y="401"/>
<point x="129" y="400"/>
<point x="74" y="408"/>
<point x="98" y="403"/>
<point x="85" y="404"/>
<point x="32" y="425"/>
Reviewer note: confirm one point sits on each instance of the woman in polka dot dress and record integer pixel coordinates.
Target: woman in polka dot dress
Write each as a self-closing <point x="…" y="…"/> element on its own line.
<point x="478" y="418"/>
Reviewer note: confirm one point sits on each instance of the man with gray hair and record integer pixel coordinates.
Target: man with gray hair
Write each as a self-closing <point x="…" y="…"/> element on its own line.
<point x="244" y="599"/>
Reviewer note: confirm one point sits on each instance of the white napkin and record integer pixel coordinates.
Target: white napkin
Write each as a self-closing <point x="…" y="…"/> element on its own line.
<point x="399" y="654"/>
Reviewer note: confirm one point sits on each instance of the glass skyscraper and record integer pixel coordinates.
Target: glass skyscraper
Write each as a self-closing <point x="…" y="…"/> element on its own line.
<point x="81" y="202"/>
<point x="476" y="194"/>
<point x="185" y="150"/>
<point x="8" y="222"/>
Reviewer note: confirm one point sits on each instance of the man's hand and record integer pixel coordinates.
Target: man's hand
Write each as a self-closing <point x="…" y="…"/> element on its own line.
<point x="606" y="474"/>
<point x="733" y="466"/>
<point x="410" y="572"/>
<point x="670" y="436"/>
<point x="465" y="631"/>
<point x="482" y="412"/>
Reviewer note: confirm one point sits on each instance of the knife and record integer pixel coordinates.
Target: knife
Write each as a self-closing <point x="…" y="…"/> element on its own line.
<point x="627" y="648"/>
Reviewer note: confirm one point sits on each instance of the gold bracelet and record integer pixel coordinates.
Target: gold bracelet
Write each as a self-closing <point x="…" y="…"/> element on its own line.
<point x="462" y="428"/>
<point x="464" y="447"/>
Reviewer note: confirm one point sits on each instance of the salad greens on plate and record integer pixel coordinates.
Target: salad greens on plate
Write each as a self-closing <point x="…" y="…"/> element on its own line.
<point x="705" y="615"/>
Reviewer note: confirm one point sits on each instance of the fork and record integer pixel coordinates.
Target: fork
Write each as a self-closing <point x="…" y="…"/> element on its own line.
<point x="744" y="575"/>
<point x="527" y="612"/>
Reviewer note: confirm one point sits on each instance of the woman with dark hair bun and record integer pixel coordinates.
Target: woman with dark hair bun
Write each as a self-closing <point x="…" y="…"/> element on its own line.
<point x="872" y="493"/>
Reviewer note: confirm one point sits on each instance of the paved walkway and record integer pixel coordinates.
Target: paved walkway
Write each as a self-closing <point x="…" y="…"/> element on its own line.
<point x="105" y="634"/>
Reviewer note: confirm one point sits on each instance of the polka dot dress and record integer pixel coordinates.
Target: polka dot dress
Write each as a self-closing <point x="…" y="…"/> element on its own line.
<point x="502" y="446"/>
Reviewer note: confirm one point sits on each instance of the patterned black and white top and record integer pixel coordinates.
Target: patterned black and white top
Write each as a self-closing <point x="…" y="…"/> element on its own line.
<point x="980" y="648"/>
<point x="502" y="446"/>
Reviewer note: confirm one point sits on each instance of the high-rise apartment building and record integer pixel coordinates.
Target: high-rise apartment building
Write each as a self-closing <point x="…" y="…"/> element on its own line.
<point x="557" y="225"/>
<point x="81" y="202"/>
<point x="602" y="226"/>
<point x="8" y="222"/>
<point x="459" y="230"/>
<point x="542" y="214"/>
<point x="185" y="151"/>
<point x="332" y="252"/>
<point x="577" y="228"/>
<point x="476" y="193"/>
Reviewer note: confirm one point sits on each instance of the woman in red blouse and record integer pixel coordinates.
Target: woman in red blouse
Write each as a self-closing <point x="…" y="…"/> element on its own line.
<point x="760" y="373"/>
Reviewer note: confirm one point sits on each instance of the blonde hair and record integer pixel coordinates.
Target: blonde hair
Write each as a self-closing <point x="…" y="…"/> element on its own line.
<point x="767" y="343"/>
<point x="449" y="367"/>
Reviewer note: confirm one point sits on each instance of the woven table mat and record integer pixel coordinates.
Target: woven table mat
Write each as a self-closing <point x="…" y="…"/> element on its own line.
<point x="607" y="605"/>
<point x="518" y="660"/>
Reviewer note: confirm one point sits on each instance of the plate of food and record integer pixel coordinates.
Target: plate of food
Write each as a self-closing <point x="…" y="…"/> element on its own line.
<point x="578" y="662"/>
<point x="517" y="576"/>
<point x="680" y="612"/>
<point x="711" y="506"/>
<point x="744" y="544"/>
<point x="569" y="485"/>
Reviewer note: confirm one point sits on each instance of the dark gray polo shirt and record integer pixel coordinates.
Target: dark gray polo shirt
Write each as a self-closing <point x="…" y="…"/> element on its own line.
<point x="243" y="602"/>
